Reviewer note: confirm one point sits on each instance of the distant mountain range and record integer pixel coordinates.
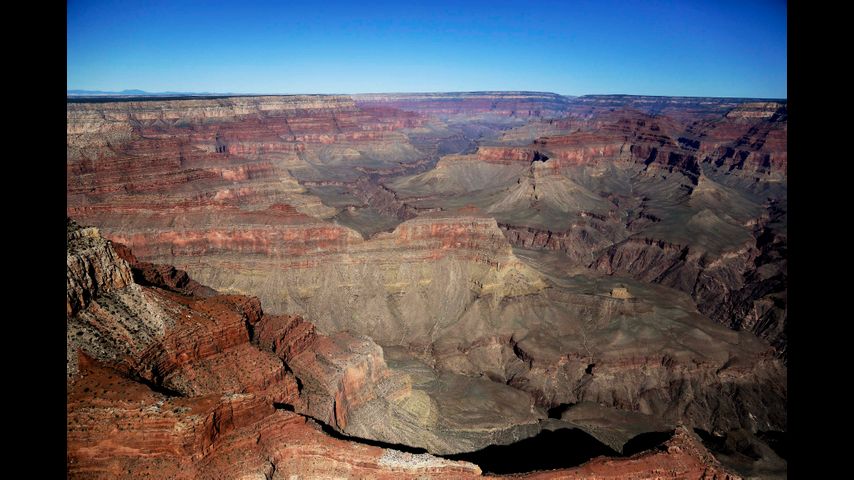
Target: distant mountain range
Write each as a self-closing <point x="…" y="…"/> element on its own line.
<point x="135" y="92"/>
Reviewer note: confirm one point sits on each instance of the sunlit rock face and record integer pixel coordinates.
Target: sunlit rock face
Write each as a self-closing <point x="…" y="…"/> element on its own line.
<point x="222" y="389"/>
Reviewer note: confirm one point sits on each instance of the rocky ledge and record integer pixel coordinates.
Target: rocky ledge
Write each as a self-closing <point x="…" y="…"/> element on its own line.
<point x="171" y="381"/>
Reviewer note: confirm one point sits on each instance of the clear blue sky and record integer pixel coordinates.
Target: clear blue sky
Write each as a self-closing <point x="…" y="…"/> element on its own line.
<point x="703" y="48"/>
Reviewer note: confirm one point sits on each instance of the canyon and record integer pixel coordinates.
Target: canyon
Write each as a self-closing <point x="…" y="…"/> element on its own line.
<point x="416" y="285"/>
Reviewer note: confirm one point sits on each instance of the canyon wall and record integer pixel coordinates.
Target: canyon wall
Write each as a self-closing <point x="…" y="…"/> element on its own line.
<point x="454" y="257"/>
<point x="689" y="193"/>
<point x="212" y="393"/>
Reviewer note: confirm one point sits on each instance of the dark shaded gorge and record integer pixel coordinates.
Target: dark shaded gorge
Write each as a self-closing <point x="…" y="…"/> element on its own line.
<point x="778" y="441"/>
<point x="554" y="449"/>
<point x="550" y="449"/>
<point x="646" y="441"/>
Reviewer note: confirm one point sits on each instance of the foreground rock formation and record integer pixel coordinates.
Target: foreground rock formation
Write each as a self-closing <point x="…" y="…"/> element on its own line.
<point x="194" y="398"/>
<point x="199" y="393"/>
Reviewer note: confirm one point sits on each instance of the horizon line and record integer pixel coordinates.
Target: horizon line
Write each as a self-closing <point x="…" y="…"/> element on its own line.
<point x="106" y="94"/>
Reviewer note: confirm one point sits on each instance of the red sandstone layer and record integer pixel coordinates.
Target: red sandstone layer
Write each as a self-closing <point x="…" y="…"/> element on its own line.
<point x="206" y="409"/>
<point x="748" y="136"/>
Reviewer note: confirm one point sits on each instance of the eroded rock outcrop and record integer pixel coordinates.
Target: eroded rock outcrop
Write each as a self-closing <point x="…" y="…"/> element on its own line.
<point x="169" y="339"/>
<point x="688" y="193"/>
<point x="210" y="157"/>
<point x="195" y="398"/>
<point x="198" y="404"/>
<point x="93" y="268"/>
<point x="744" y="288"/>
<point x="387" y="287"/>
<point x="119" y="428"/>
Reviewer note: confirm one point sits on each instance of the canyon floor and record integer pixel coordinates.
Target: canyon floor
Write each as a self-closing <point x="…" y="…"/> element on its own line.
<point x="427" y="285"/>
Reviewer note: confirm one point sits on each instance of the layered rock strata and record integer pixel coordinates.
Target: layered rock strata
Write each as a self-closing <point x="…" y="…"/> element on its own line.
<point x="468" y="104"/>
<point x="622" y="193"/>
<point x="194" y="399"/>
<point x="622" y="190"/>
<point x="199" y="401"/>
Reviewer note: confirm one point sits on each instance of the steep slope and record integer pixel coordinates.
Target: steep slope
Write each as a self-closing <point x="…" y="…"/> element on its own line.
<point x="129" y="163"/>
<point x="197" y="392"/>
<point x="216" y="404"/>
<point x="455" y="174"/>
<point x="691" y="195"/>
<point x="449" y="289"/>
<point x="386" y="287"/>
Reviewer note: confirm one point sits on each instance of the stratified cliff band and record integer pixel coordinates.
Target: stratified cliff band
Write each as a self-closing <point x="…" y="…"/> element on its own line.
<point x="442" y="274"/>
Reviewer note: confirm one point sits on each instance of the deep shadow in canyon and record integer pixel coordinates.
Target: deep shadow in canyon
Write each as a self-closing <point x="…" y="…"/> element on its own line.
<point x="550" y="449"/>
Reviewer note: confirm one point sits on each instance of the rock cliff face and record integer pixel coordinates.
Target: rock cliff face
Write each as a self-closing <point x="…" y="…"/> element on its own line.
<point x="744" y="288"/>
<point x="119" y="428"/>
<point x="631" y="136"/>
<point x="760" y="145"/>
<point x="388" y="288"/>
<point x="684" y="110"/>
<point x="93" y="270"/>
<point x="166" y="338"/>
<point x="210" y="394"/>
<point x="348" y="384"/>
<point x="689" y="193"/>
<point x="385" y="287"/>
<point x="196" y="398"/>
<point x="206" y="156"/>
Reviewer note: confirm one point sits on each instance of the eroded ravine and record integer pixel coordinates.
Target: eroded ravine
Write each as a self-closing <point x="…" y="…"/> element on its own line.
<point x="207" y="387"/>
